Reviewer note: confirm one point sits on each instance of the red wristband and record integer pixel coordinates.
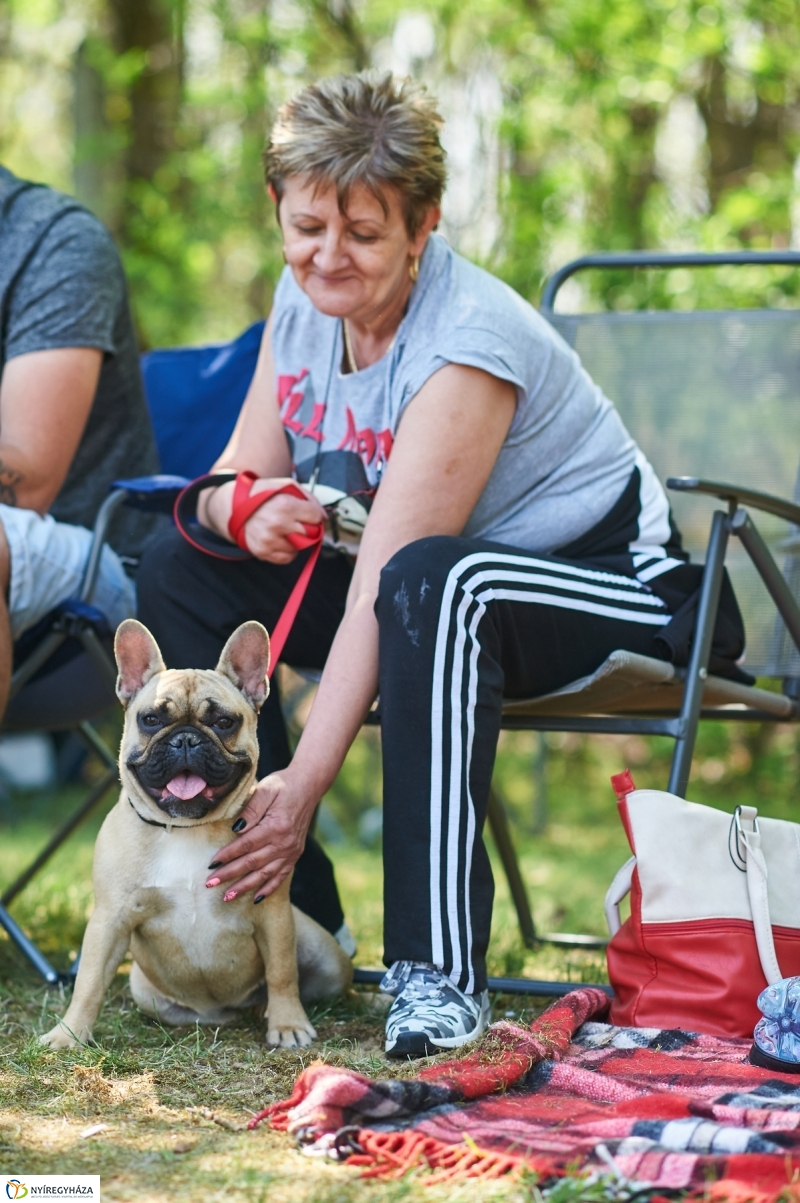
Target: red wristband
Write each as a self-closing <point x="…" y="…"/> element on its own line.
<point x="245" y="505"/>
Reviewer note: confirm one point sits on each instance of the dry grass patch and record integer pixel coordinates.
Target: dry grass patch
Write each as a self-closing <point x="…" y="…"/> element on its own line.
<point x="160" y="1113"/>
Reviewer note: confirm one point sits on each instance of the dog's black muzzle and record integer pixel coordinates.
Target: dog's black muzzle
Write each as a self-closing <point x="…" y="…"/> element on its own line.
<point x="188" y="750"/>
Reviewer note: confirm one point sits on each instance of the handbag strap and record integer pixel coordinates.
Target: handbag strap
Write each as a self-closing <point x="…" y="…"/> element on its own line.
<point x="619" y="889"/>
<point x="244" y="506"/>
<point x="746" y="820"/>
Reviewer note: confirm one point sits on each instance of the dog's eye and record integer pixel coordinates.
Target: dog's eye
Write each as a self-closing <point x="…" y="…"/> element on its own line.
<point x="150" y="720"/>
<point x="223" y="723"/>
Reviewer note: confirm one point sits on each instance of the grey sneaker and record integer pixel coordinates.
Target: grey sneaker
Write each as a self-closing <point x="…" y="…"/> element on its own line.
<point x="429" y="1013"/>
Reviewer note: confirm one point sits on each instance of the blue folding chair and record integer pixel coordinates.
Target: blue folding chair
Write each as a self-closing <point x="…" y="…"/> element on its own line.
<point x="64" y="673"/>
<point x="194" y="395"/>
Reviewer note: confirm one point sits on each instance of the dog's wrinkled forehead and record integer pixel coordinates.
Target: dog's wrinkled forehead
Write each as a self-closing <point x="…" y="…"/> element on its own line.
<point x="198" y="697"/>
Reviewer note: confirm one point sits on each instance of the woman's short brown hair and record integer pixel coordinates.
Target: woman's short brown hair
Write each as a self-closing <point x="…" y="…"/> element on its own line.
<point x="372" y="129"/>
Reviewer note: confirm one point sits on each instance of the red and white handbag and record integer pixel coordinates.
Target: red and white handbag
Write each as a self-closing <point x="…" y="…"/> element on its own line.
<point x="715" y="913"/>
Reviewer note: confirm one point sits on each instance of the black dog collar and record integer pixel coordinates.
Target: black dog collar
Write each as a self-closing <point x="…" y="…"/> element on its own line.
<point x="153" y="823"/>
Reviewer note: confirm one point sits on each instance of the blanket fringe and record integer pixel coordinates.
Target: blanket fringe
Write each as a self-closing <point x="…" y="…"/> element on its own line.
<point x="393" y="1154"/>
<point x="276" y="1113"/>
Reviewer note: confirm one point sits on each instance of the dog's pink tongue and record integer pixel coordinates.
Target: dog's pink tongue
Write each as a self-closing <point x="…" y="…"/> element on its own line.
<point x="185" y="785"/>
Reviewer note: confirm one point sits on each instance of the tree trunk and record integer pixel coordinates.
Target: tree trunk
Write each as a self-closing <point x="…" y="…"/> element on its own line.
<point x="739" y="145"/>
<point x="154" y="29"/>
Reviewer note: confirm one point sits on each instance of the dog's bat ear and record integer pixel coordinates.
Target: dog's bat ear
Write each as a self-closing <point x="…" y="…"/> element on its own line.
<point x="245" y="661"/>
<point x="138" y="658"/>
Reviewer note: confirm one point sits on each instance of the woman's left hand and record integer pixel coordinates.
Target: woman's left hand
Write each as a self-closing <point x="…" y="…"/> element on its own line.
<point x="272" y="833"/>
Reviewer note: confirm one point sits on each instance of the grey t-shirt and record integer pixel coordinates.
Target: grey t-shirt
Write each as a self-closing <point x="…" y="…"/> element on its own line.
<point x="62" y="285"/>
<point x="566" y="459"/>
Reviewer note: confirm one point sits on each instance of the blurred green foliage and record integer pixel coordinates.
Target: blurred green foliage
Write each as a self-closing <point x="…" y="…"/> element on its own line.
<point x="617" y="124"/>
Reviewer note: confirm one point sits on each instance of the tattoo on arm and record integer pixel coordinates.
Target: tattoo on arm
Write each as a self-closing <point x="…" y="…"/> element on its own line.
<point x="9" y="480"/>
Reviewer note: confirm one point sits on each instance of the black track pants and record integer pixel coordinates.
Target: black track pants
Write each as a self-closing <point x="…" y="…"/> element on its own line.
<point x="464" y="623"/>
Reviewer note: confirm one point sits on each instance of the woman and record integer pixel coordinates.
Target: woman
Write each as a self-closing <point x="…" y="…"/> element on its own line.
<point x="516" y="539"/>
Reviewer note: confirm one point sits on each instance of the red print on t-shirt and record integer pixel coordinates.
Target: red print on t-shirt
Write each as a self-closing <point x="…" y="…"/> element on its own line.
<point x="291" y="399"/>
<point x="368" y="444"/>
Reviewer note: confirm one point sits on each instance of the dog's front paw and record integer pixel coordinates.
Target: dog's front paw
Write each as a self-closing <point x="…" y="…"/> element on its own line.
<point x="297" y="1033"/>
<point x="61" y="1037"/>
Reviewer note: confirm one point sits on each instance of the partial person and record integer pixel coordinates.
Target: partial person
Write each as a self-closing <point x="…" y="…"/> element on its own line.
<point x="514" y="533"/>
<point x="73" y="416"/>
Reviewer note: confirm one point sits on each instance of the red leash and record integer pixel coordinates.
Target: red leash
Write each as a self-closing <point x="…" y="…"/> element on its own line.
<point x="245" y="505"/>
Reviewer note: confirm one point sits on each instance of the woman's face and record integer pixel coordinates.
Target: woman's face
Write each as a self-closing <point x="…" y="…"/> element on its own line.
<point x="352" y="264"/>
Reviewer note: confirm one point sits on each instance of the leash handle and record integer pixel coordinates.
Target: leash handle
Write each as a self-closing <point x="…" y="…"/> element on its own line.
<point x="245" y="505"/>
<point x="184" y="515"/>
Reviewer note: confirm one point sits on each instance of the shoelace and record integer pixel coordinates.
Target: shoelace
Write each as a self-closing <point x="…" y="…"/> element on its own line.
<point x="426" y="991"/>
<point x="396" y="978"/>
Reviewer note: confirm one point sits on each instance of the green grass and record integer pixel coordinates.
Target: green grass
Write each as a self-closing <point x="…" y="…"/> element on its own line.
<point x="172" y="1102"/>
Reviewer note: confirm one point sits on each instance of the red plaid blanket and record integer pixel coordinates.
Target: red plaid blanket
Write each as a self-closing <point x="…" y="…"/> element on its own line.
<point x="665" y="1109"/>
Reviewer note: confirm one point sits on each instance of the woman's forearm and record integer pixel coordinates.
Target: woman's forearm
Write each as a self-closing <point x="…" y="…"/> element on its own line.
<point x="346" y="692"/>
<point x="214" y="508"/>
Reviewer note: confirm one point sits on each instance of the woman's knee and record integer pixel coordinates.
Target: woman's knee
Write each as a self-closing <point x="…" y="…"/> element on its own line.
<point x="414" y="579"/>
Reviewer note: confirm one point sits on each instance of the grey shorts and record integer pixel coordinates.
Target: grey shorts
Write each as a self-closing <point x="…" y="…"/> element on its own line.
<point x="47" y="562"/>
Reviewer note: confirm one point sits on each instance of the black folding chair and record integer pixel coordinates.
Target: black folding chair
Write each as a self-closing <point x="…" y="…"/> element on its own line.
<point x="713" y="394"/>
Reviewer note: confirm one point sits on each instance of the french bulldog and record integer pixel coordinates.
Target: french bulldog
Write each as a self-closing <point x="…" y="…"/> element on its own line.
<point x="187" y="766"/>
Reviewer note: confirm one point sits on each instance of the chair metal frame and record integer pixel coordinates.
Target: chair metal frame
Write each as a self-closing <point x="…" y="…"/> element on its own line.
<point x="735" y="520"/>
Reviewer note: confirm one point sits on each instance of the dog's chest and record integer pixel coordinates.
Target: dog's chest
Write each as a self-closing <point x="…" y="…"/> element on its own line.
<point x="179" y="859"/>
<point x="173" y="890"/>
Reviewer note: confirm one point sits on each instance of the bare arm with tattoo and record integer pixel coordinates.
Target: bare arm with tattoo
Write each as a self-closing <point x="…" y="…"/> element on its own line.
<point x="45" y="400"/>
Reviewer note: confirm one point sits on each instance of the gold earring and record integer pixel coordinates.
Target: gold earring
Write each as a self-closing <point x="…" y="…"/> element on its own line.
<point x="413" y="269"/>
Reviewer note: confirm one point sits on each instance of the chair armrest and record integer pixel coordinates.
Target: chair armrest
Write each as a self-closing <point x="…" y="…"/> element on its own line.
<point x="156" y="494"/>
<point x="732" y="493"/>
<point x="153" y="493"/>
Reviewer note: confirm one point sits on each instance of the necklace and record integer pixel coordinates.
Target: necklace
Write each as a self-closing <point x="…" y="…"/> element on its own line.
<point x="348" y="349"/>
<point x="350" y="353"/>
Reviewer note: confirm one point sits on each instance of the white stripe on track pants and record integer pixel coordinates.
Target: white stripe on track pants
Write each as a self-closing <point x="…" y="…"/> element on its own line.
<point x="463" y="623"/>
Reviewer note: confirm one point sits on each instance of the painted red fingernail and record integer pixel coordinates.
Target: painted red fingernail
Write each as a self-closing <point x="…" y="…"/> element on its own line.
<point x="213" y="882"/>
<point x="229" y="897"/>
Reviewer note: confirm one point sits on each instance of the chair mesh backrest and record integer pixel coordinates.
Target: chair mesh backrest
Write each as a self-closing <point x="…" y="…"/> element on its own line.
<point x="716" y="395"/>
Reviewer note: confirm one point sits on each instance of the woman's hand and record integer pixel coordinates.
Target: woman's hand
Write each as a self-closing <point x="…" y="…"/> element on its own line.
<point x="272" y="834"/>
<point x="267" y="531"/>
